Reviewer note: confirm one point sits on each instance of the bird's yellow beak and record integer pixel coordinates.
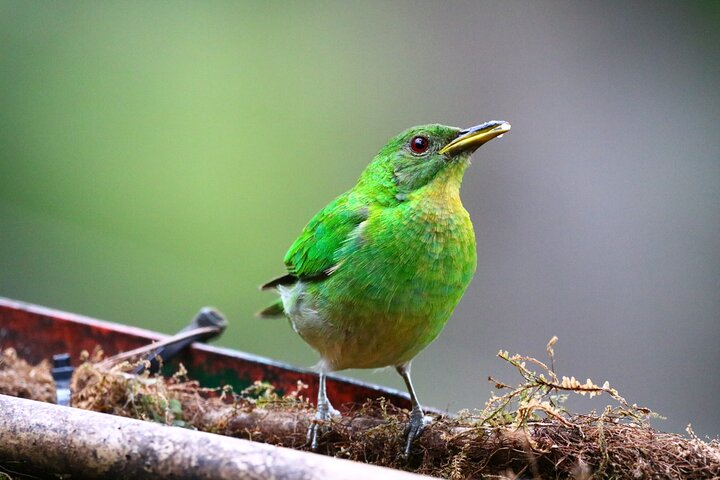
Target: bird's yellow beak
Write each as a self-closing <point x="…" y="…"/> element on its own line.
<point x="471" y="138"/>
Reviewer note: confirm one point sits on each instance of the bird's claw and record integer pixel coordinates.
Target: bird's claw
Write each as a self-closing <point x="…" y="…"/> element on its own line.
<point x="319" y="425"/>
<point x="416" y="425"/>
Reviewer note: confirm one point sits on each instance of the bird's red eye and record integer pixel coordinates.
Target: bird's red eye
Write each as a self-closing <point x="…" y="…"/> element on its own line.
<point x="419" y="144"/>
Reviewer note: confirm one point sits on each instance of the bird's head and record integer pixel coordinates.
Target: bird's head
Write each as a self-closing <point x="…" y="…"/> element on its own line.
<point x="417" y="156"/>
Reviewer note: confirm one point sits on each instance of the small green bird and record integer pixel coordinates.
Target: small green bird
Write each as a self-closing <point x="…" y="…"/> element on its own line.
<point x="375" y="275"/>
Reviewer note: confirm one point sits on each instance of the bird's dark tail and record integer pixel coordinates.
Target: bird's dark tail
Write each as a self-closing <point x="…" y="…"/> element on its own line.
<point x="288" y="279"/>
<point x="273" y="310"/>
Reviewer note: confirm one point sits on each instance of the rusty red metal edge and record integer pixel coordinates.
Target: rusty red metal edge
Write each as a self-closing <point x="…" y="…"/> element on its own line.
<point x="38" y="333"/>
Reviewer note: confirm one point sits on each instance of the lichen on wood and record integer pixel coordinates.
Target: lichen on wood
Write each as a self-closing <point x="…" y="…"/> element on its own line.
<point x="19" y="378"/>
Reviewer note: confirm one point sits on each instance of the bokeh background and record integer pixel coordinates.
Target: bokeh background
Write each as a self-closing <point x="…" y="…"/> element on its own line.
<point x="156" y="157"/>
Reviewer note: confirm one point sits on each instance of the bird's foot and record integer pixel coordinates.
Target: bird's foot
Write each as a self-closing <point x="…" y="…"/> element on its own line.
<point x="416" y="425"/>
<point x="319" y="425"/>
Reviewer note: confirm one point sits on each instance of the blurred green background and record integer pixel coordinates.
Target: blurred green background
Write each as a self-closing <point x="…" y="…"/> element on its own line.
<point x="156" y="157"/>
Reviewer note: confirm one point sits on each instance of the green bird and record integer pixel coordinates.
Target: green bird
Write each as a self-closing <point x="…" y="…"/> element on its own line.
<point x="375" y="275"/>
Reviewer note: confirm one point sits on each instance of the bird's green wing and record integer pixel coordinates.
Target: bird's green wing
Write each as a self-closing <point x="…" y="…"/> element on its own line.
<point x="331" y="234"/>
<point x="328" y="238"/>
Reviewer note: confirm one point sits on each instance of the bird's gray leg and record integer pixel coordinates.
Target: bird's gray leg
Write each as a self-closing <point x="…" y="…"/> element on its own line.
<point x="418" y="420"/>
<point x="325" y="412"/>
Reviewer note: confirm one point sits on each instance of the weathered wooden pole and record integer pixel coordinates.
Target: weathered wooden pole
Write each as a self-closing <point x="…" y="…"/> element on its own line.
<point x="95" y="445"/>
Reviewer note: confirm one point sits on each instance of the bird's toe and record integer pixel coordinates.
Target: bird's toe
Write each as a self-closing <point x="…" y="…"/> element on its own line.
<point x="320" y="424"/>
<point x="416" y="425"/>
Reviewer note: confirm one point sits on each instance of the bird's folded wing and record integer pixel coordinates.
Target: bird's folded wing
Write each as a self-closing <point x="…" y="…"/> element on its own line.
<point x="331" y="235"/>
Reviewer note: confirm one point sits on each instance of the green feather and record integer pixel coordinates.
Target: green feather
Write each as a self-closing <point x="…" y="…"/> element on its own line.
<point x="273" y="310"/>
<point x="316" y="251"/>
